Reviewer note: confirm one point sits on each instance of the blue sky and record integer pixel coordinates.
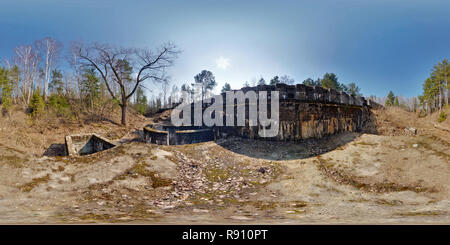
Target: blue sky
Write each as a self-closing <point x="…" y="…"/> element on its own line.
<point x="380" y="45"/>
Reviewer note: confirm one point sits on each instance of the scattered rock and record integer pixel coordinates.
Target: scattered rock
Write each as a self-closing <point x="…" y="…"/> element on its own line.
<point x="262" y="170"/>
<point x="168" y="207"/>
<point x="411" y="131"/>
<point x="125" y="218"/>
<point x="237" y="217"/>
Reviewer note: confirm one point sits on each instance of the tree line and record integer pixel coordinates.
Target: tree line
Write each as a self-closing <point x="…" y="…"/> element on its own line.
<point x="95" y="79"/>
<point x="436" y="87"/>
<point x="328" y="80"/>
<point x="434" y="97"/>
<point x="46" y="77"/>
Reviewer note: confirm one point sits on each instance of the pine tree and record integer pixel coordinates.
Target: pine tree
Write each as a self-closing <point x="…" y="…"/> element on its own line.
<point x="226" y="88"/>
<point x="207" y="82"/>
<point x="37" y="104"/>
<point x="14" y="74"/>
<point x="311" y="82"/>
<point x="262" y="81"/>
<point x="352" y="89"/>
<point x="6" y="90"/>
<point x="141" y="101"/>
<point x="330" y="80"/>
<point x="275" y="80"/>
<point x="90" y="87"/>
<point x="56" y="84"/>
<point x="390" y="99"/>
<point x="396" y="102"/>
<point x="444" y="68"/>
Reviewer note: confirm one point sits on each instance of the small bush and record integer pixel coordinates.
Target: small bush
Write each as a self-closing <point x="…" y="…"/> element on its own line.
<point x="141" y="108"/>
<point x="442" y="117"/>
<point x="60" y="104"/>
<point x="422" y="114"/>
<point x="37" y="104"/>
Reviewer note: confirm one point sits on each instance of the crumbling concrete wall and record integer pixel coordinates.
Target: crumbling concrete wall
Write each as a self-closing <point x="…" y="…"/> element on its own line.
<point x="171" y="135"/>
<point x="302" y="120"/>
<point x="193" y="136"/>
<point x="305" y="112"/>
<point x="83" y="144"/>
<point x="156" y="136"/>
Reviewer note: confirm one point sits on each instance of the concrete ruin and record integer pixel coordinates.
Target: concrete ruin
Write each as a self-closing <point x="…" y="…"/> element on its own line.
<point x="84" y="144"/>
<point x="305" y="112"/>
<point x="172" y="135"/>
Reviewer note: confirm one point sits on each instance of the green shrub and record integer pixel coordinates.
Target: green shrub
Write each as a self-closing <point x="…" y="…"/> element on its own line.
<point x="442" y="117"/>
<point x="60" y="104"/>
<point x="142" y="109"/>
<point x="6" y="100"/>
<point x="37" y="104"/>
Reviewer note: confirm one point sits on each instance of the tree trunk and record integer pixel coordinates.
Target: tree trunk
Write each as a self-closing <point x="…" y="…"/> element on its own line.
<point x="123" y="106"/>
<point x="448" y="98"/>
<point x="429" y="107"/>
<point x="436" y="103"/>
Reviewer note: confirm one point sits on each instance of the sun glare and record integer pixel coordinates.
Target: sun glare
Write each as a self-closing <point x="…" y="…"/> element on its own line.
<point x="223" y="63"/>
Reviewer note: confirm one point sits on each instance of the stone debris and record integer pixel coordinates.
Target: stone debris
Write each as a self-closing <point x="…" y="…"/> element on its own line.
<point x="83" y="144"/>
<point x="238" y="217"/>
<point x="411" y="131"/>
<point x="208" y="182"/>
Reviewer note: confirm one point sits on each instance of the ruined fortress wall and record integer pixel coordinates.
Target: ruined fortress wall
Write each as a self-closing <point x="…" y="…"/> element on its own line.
<point x="306" y="112"/>
<point x="193" y="136"/>
<point x="156" y="136"/>
<point x="302" y="120"/>
<point x="171" y="135"/>
<point x="83" y="144"/>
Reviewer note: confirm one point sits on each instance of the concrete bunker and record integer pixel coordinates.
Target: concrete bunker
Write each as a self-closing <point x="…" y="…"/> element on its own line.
<point x="304" y="112"/>
<point x="172" y="135"/>
<point x="84" y="144"/>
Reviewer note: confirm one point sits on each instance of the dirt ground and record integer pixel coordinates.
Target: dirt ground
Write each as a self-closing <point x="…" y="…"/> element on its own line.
<point x="388" y="177"/>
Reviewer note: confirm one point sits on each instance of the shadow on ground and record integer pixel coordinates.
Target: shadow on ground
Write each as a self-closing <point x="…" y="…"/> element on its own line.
<point x="286" y="150"/>
<point x="55" y="150"/>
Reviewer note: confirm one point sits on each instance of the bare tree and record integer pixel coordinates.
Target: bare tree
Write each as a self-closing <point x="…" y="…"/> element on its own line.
<point x="287" y="80"/>
<point x="112" y="63"/>
<point x="174" y="94"/>
<point x="27" y="58"/>
<point x="165" y="90"/>
<point x="49" y="49"/>
<point x="74" y="61"/>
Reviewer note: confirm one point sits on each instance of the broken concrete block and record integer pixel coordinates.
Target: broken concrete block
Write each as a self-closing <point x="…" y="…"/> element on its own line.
<point x="84" y="144"/>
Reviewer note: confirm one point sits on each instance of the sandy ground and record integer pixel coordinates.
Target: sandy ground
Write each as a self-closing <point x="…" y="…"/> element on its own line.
<point x="349" y="178"/>
<point x="385" y="175"/>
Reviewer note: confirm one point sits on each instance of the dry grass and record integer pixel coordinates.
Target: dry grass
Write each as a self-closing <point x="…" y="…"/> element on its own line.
<point x="36" y="137"/>
<point x="13" y="161"/>
<point x="140" y="169"/>
<point x="35" y="182"/>
<point x="422" y="213"/>
<point x="343" y="177"/>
